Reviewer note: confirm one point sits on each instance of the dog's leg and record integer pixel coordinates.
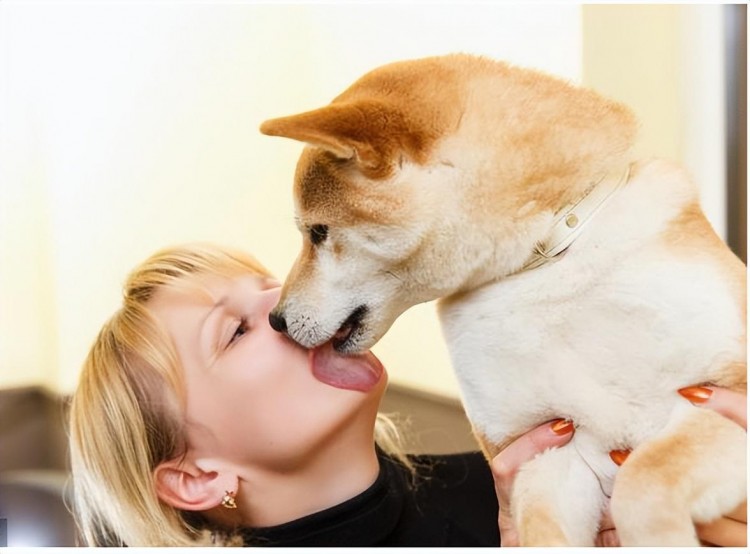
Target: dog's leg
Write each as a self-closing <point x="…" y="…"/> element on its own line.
<point x="695" y="470"/>
<point x="557" y="500"/>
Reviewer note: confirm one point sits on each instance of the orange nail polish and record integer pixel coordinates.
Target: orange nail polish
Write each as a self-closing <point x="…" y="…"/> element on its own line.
<point x="696" y="395"/>
<point x="562" y="427"/>
<point x="619" y="456"/>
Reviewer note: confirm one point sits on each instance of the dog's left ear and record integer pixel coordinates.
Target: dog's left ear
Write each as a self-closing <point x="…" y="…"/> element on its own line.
<point x="371" y="133"/>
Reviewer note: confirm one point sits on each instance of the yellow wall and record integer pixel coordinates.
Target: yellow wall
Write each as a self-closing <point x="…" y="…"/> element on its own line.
<point x="666" y="62"/>
<point x="126" y="128"/>
<point x="631" y="53"/>
<point x="130" y="127"/>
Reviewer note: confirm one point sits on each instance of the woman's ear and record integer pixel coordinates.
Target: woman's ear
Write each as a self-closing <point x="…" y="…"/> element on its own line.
<point x="188" y="486"/>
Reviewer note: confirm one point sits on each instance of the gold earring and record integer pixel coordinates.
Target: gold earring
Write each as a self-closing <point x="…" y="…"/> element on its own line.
<point x="228" y="500"/>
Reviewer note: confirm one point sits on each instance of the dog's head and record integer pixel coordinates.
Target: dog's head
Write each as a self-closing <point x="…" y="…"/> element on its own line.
<point x="422" y="180"/>
<point x="367" y="233"/>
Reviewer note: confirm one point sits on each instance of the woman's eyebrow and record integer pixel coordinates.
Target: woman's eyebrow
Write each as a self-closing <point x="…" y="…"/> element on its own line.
<point x="208" y="336"/>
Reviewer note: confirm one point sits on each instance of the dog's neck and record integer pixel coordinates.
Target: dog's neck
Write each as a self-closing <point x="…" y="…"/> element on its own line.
<point x="572" y="218"/>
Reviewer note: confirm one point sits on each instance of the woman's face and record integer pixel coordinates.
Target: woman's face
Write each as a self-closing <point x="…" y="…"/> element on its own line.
<point x="253" y="395"/>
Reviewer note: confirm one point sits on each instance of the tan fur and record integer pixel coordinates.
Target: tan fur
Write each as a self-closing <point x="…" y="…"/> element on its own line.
<point x="732" y="376"/>
<point x="379" y="117"/>
<point x="542" y="529"/>
<point x="692" y="236"/>
<point x="664" y="477"/>
<point x="437" y="178"/>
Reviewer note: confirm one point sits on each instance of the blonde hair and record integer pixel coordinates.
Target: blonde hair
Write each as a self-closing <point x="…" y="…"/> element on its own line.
<point x="126" y="414"/>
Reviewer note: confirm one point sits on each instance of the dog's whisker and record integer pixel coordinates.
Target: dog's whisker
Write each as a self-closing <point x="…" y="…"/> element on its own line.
<point x="394" y="275"/>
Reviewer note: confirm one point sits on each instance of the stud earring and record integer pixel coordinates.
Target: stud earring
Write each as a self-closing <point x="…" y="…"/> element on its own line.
<point x="228" y="500"/>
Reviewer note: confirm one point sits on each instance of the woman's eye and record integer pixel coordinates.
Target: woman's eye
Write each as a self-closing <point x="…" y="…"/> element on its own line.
<point x="241" y="329"/>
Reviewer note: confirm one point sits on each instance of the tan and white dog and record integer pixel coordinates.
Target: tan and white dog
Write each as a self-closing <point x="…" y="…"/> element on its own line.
<point x="574" y="282"/>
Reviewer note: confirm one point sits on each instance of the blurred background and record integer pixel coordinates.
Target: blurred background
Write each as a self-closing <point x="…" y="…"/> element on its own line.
<point x="127" y="127"/>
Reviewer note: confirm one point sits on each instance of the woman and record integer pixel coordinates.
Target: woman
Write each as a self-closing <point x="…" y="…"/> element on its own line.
<point x="195" y="423"/>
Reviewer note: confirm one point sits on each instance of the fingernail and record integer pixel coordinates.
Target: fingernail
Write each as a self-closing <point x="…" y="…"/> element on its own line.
<point x="619" y="456"/>
<point x="696" y="395"/>
<point x="562" y="427"/>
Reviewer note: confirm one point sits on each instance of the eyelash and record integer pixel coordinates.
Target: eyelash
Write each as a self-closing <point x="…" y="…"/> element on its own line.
<point x="239" y="332"/>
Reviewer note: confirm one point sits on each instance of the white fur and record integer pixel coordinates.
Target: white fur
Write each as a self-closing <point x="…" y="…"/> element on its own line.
<point x="559" y="330"/>
<point x="603" y="337"/>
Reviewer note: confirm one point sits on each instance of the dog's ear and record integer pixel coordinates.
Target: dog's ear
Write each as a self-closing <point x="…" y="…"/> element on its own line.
<point x="327" y="128"/>
<point x="371" y="133"/>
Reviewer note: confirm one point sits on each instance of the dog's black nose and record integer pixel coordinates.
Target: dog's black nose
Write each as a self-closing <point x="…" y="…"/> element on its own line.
<point x="278" y="323"/>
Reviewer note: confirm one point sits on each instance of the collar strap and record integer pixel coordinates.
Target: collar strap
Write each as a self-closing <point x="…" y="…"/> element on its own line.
<point x="572" y="218"/>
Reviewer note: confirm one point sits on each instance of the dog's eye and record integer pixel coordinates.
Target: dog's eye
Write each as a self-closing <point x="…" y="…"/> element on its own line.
<point x="318" y="233"/>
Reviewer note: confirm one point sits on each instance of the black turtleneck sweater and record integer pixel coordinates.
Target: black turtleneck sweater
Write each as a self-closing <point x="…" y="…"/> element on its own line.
<point x="451" y="502"/>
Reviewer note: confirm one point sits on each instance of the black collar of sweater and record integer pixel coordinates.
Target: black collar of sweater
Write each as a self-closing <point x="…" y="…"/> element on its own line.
<point x="364" y="520"/>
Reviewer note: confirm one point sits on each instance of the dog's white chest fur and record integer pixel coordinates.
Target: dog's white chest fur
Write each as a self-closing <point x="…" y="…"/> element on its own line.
<point x="605" y="336"/>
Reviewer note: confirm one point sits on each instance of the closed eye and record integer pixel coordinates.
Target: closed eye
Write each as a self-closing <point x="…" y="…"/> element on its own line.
<point x="239" y="332"/>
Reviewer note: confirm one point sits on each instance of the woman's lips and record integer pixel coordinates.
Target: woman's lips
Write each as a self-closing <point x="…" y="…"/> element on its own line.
<point x="360" y="372"/>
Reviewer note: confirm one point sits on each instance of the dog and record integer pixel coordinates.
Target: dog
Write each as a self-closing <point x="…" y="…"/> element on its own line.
<point x="574" y="281"/>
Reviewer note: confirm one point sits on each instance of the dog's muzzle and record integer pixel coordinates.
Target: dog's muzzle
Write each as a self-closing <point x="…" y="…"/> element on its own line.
<point x="342" y="339"/>
<point x="349" y="329"/>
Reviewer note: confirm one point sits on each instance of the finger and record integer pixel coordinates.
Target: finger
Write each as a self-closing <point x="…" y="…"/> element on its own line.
<point x="526" y="447"/>
<point x="508" y="533"/>
<point x="723" y="532"/>
<point x="730" y="404"/>
<point x="506" y="525"/>
<point x="619" y="456"/>
<point x="607" y="538"/>
<point x="607" y="534"/>
<point x="739" y="513"/>
<point x="506" y="464"/>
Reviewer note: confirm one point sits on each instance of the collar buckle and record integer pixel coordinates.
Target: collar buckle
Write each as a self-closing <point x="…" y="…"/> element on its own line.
<point x="572" y="218"/>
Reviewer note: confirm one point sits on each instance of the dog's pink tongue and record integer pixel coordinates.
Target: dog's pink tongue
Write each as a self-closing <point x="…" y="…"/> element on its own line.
<point x="359" y="372"/>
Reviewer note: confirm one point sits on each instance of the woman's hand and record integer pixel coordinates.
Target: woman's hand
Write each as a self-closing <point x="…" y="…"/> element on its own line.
<point x="730" y="530"/>
<point x="506" y="464"/>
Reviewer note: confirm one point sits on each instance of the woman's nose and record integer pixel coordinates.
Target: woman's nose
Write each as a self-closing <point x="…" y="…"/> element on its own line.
<point x="270" y="300"/>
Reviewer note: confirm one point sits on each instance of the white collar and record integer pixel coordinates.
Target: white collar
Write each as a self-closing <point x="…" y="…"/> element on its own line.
<point x="572" y="218"/>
